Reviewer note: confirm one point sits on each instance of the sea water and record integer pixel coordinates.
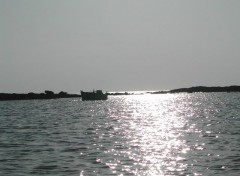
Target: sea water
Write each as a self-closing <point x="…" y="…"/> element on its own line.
<point x="168" y="134"/>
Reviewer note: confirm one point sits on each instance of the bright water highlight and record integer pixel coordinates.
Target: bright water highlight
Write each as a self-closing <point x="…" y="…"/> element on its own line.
<point x="170" y="134"/>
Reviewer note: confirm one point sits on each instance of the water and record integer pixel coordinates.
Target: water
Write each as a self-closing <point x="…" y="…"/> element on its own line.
<point x="171" y="134"/>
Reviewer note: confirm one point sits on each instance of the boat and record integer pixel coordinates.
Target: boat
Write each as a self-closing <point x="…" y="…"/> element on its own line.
<point x="94" y="95"/>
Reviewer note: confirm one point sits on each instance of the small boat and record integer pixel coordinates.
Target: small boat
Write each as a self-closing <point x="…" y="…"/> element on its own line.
<point x="94" y="95"/>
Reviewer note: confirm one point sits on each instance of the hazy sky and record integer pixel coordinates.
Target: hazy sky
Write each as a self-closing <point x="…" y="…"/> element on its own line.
<point x="118" y="45"/>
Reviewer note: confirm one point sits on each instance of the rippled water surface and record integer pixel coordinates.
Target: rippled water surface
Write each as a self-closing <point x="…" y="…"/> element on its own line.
<point x="170" y="134"/>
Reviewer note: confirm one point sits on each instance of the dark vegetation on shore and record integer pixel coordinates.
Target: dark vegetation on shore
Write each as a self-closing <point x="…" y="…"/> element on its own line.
<point x="32" y="96"/>
<point x="51" y="95"/>
<point x="188" y="90"/>
<point x="120" y="93"/>
<point x="201" y="89"/>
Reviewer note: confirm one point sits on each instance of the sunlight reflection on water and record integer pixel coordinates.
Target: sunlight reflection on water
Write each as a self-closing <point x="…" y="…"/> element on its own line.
<point x="153" y="131"/>
<point x="170" y="134"/>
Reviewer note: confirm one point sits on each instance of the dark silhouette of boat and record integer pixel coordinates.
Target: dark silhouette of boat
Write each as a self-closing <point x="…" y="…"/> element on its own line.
<point x="94" y="95"/>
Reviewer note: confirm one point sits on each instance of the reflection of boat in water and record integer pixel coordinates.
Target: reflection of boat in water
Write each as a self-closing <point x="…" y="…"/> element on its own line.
<point x="94" y="95"/>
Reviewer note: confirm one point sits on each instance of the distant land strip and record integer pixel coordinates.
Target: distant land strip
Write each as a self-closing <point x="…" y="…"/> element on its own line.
<point x="51" y="95"/>
<point x="34" y="96"/>
<point x="189" y="90"/>
<point x="202" y="89"/>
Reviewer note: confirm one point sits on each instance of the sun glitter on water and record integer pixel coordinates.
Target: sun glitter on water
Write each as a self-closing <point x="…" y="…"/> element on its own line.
<point x="152" y="129"/>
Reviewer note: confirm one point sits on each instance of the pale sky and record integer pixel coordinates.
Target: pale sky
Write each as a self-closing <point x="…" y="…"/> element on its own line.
<point x="117" y="45"/>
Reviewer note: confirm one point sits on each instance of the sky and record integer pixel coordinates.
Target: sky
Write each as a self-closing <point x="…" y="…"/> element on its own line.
<point x="118" y="45"/>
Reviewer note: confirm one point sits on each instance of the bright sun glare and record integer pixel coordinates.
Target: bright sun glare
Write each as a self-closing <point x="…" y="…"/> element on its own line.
<point x="153" y="133"/>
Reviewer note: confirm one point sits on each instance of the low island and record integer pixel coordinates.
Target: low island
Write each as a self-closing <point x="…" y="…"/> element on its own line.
<point x="51" y="95"/>
<point x="202" y="89"/>
<point x="32" y="96"/>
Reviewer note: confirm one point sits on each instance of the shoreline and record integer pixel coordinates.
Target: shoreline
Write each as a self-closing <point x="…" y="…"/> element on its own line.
<point x="36" y="96"/>
<point x="51" y="95"/>
<point x="196" y="89"/>
<point x="205" y="89"/>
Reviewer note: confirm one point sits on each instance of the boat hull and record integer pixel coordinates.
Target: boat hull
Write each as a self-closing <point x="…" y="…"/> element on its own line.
<point x="91" y="96"/>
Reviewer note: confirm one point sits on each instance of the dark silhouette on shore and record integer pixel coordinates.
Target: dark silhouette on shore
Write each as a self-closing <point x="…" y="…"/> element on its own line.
<point x="51" y="95"/>
<point x="188" y="90"/>
<point x="32" y="96"/>
<point x="202" y="89"/>
<point x="120" y="93"/>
